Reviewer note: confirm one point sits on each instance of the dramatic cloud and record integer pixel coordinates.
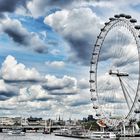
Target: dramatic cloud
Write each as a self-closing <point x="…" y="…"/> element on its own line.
<point x="9" y="104"/>
<point x="35" y="92"/>
<point x="59" y="94"/>
<point x="7" y="91"/>
<point x="61" y="86"/>
<point x="41" y="7"/>
<point x="39" y="106"/>
<point x="83" y="83"/>
<point x="55" y="64"/>
<point x="19" y="34"/>
<point x="79" y="33"/>
<point x="8" y="5"/>
<point x="60" y="83"/>
<point x="36" y="98"/>
<point x="13" y="71"/>
<point x="79" y="99"/>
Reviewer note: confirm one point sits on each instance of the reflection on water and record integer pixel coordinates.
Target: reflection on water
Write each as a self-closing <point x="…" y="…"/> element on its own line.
<point x="133" y="138"/>
<point x="35" y="136"/>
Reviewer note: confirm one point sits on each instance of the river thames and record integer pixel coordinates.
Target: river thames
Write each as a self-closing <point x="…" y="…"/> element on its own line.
<point x="34" y="136"/>
<point x="39" y="136"/>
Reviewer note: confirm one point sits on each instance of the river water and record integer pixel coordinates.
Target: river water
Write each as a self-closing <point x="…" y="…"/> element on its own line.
<point x="39" y="136"/>
<point x="34" y="136"/>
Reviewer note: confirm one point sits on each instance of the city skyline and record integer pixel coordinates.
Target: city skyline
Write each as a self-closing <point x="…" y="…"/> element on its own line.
<point x="45" y="49"/>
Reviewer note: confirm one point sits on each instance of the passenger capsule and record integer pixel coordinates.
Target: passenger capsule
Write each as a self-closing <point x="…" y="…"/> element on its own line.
<point x="95" y="53"/>
<point x="95" y="107"/>
<point x="103" y="30"/>
<point x="91" y="71"/>
<point x="122" y="15"/>
<point x="91" y="81"/>
<point x="133" y="20"/>
<point x="117" y="16"/>
<point x="106" y="23"/>
<point x="92" y="90"/>
<point x="137" y="111"/>
<point x="111" y="19"/>
<point x="93" y="99"/>
<point x="137" y="27"/>
<point x="99" y="37"/>
<point x="96" y="45"/>
<point x="92" y="62"/>
<point x="98" y="115"/>
<point x="127" y="16"/>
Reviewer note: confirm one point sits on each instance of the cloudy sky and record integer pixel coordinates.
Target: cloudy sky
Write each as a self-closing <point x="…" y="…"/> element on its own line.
<point x="45" y="52"/>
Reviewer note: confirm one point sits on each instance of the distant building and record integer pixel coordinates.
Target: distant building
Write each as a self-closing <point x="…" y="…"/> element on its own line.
<point x="85" y="119"/>
<point x="6" y="121"/>
<point x="60" y="121"/>
<point x="34" y="121"/>
<point x="90" y="118"/>
<point x="17" y="120"/>
<point x="70" y="122"/>
<point x="24" y="122"/>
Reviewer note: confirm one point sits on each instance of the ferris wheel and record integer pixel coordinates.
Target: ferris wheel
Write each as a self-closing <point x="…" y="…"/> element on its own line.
<point x="115" y="69"/>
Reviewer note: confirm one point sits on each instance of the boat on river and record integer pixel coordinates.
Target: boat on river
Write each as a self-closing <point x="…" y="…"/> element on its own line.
<point x="5" y="130"/>
<point x="47" y="129"/>
<point x="100" y="135"/>
<point x="71" y="132"/>
<point x="16" y="132"/>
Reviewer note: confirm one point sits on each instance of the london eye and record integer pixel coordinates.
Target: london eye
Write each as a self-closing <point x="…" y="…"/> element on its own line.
<point x="115" y="70"/>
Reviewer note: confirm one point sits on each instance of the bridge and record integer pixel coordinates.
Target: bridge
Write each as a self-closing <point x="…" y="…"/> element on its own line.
<point x="34" y="127"/>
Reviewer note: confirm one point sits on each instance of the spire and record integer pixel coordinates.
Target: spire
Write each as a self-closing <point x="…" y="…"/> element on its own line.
<point x="59" y="118"/>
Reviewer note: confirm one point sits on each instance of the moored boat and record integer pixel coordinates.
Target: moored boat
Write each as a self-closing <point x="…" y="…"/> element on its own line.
<point x="102" y="135"/>
<point x="46" y="131"/>
<point x="71" y="132"/>
<point x="5" y="130"/>
<point x="16" y="132"/>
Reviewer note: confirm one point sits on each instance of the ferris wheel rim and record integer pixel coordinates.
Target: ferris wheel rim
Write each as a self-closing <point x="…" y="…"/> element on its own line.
<point x="113" y="21"/>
